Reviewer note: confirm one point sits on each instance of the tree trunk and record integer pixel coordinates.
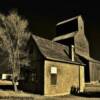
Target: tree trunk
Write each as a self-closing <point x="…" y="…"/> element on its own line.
<point x="15" y="86"/>
<point x="14" y="83"/>
<point x="14" y="79"/>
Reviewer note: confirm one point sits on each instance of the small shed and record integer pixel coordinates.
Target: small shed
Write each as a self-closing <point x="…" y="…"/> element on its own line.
<point x="52" y="72"/>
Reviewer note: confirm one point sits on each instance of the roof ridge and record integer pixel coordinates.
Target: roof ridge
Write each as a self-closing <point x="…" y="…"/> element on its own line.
<point x="52" y="50"/>
<point x="48" y="40"/>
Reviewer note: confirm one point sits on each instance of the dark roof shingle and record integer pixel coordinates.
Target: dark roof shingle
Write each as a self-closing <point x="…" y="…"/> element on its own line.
<point x="53" y="50"/>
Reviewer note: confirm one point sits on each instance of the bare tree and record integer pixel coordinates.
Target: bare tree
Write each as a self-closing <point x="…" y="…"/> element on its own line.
<point x="13" y="39"/>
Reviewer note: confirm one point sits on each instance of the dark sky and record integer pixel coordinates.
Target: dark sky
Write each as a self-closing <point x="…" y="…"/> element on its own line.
<point x="43" y="16"/>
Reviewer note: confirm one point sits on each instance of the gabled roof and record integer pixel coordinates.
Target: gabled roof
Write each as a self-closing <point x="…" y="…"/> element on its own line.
<point x="53" y="50"/>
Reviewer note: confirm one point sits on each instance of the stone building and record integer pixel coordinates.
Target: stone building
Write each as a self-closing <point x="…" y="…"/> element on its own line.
<point x="52" y="71"/>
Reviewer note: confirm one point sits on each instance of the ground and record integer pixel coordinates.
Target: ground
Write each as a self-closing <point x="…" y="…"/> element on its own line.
<point x="11" y="95"/>
<point x="92" y="92"/>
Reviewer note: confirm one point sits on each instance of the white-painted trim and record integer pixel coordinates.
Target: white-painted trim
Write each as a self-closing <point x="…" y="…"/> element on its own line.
<point x="65" y="21"/>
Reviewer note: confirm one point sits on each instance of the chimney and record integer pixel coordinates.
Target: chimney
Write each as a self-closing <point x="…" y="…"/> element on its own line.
<point x="72" y="52"/>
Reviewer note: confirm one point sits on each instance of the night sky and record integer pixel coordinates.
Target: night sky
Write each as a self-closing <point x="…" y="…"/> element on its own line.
<point x="43" y="16"/>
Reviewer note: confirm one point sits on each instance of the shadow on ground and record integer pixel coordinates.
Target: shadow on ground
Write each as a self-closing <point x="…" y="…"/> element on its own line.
<point x="6" y="87"/>
<point x="89" y="94"/>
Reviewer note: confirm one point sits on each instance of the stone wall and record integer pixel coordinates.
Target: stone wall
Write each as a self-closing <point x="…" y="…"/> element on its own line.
<point x="67" y="76"/>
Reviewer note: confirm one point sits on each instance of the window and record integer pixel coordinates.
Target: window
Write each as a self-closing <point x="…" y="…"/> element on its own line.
<point x="53" y="79"/>
<point x="53" y="75"/>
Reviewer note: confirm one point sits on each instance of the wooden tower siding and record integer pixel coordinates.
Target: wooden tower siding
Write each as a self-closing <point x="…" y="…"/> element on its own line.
<point x="94" y="71"/>
<point x="81" y="43"/>
<point x="81" y="46"/>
